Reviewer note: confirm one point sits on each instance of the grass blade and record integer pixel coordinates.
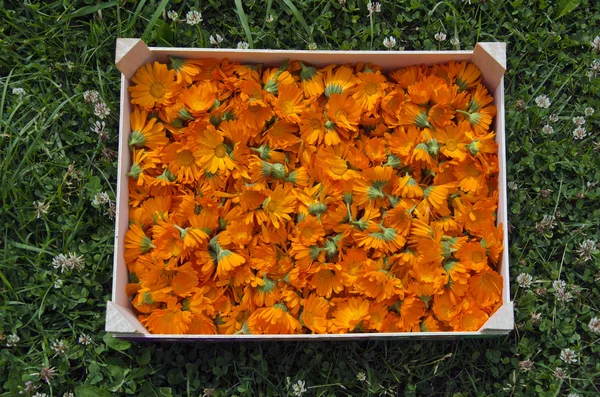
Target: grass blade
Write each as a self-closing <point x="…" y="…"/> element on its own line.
<point x="88" y="10"/>
<point x="136" y="14"/>
<point x="155" y="16"/>
<point x="290" y="5"/>
<point x="244" y="21"/>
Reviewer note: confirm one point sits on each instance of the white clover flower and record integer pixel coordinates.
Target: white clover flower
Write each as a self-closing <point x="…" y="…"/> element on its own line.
<point x="454" y="41"/>
<point x="216" y="39"/>
<point x="342" y="2"/>
<point x="173" y="15"/>
<point x="512" y="185"/>
<point x="389" y="42"/>
<point x="12" y="340"/>
<point x="361" y="376"/>
<point x="559" y="285"/>
<point x="588" y="111"/>
<point x="68" y="394"/>
<point x="58" y="283"/>
<point x="68" y="262"/>
<point x="111" y="211"/>
<point x="59" y="348"/>
<point x="91" y="96"/>
<point x="535" y="317"/>
<point x="579" y="120"/>
<point x="547" y="129"/>
<point x="46" y="373"/>
<point x="101" y="199"/>
<point x="373" y="7"/>
<point x="18" y="91"/>
<point x="298" y="388"/>
<point x="594" y="69"/>
<point x="542" y="101"/>
<point x="595" y="44"/>
<point x="579" y="133"/>
<point x="573" y="395"/>
<point x="101" y="110"/>
<point x="526" y="365"/>
<point x="40" y="394"/>
<point x="553" y="118"/>
<point x="312" y="46"/>
<point x="99" y="129"/>
<point x="560" y="373"/>
<point x="242" y="45"/>
<point x="547" y="223"/>
<point x="560" y="291"/>
<point x="594" y="325"/>
<point x="270" y="18"/>
<point x="85" y="339"/>
<point x="568" y="356"/>
<point x="41" y="208"/>
<point x="524" y="280"/>
<point x="440" y="36"/>
<point x="585" y="250"/>
<point x="29" y="388"/>
<point x="193" y="17"/>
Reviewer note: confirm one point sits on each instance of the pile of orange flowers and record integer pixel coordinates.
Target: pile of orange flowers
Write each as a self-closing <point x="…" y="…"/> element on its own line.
<point x="304" y="200"/>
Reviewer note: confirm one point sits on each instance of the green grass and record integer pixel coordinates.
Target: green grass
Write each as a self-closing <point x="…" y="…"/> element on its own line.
<point x="55" y="51"/>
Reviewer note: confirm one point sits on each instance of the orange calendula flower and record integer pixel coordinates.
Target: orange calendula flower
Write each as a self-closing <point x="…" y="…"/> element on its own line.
<point x="349" y="315"/>
<point x="155" y="85"/>
<point x="199" y="97"/>
<point x="314" y="314"/>
<point x="312" y="81"/>
<point x="146" y="132"/>
<point x="279" y="205"/>
<point x="273" y="320"/>
<point x="182" y="161"/>
<point x="454" y="141"/>
<point x="289" y="103"/>
<point x="343" y="111"/>
<point x="212" y="152"/>
<point x="338" y="82"/>
<point x="370" y="90"/>
<point x="185" y="69"/>
<point x="486" y="287"/>
<point x="171" y="320"/>
<point x="473" y="256"/>
<point x="136" y="243"/>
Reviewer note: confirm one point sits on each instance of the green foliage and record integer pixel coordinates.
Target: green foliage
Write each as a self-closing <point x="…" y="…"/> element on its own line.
<point x="56" y="162"/>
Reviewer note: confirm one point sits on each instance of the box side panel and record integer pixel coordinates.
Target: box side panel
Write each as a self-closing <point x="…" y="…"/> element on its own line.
<point x="387" y="60"/>
<point x="491" y="58"/>
<point x="502" y="194"/>
<point x="307" y="337"/>
<point x="130" y="54"/>
<point x="122" y="320"/>
<point x="120" y="276"/>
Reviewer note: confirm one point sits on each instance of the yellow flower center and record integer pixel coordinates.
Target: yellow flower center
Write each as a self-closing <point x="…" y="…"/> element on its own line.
<point x="451" y="144"/>
<point x="477" y="256"/>
<point x="254" y="108"/>
<point x="157" y="90"/>
<point x="473" y="171"/>
<point x="308" y="232"/>
<point x="341" y="114"/>
<point x="220" y="151"/>
<point x="287" y="107"/>
<point x="185" y="158"/>
<point x="371" y="88"/>
<point x="315" y="124"/>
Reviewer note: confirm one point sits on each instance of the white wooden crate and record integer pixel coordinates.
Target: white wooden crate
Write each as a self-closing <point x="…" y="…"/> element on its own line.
<point x="121" y="319"/>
